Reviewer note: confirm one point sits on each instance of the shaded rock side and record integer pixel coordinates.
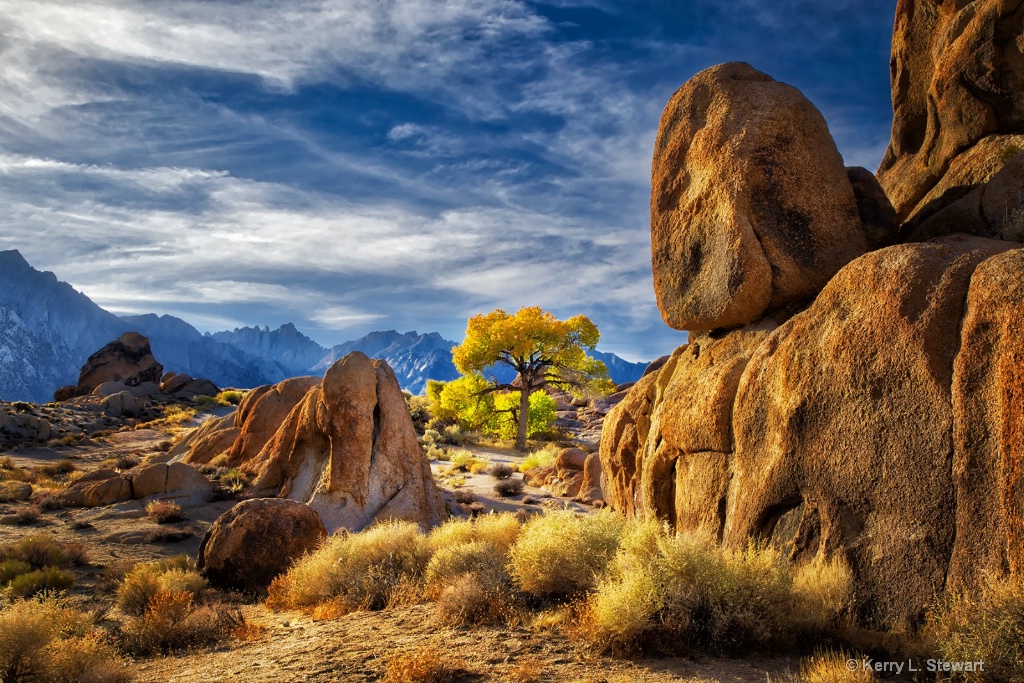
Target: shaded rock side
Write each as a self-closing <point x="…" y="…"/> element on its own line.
<point x="988" y="425"/>
<point x="257" y="540"/>
<point x="957" y="71"/>
<point x="348" y="449"/>
<point x="843" y="426"/>
<point x="127" y="359"/>
<point x="668" y="452"/>
<point x="751" y="207"/>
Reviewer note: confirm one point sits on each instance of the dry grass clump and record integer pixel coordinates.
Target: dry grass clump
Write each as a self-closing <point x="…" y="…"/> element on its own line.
<point x="561" y="554"/>
<point x="823" y="591"/>
<point x="470" y="583"/>
<point x="13" y="490"/>
<point x="831" y="667"/>
<point x="500" y="530"/>
<point x="164" y="511"/>
<point x="685" y="593"/>
<point x="542" y="457"/>
<point x="987" y="626"/>
<point x="122" y="462"/>
<point x="422" y="665"/>
<point x="143" y="582"/>
<point x="360" y="571"/>
<point x="45" y="639"/>
<point x="58" y="468"/>
<point x="40" y="551"/>
<point x="464" y="461"/>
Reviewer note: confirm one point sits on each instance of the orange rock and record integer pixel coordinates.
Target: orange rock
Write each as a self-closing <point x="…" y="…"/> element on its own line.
<point x="751" y="207"/>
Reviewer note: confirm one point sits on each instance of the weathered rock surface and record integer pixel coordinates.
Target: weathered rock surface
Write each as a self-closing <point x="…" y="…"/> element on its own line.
<point x="256" y="540"/>
<point x="122" y="404"/>
<point x="957" y="73"/>
<point x="128" y="359"/>
<point x="878" y="425"/>
<point x="261" y="413"/>
<point x="751" y="207"/>
<point x="860" y="457"/>
<point x="344" y="445"/>
<point x="104" y="487"/>
<point x="988" y="425"/>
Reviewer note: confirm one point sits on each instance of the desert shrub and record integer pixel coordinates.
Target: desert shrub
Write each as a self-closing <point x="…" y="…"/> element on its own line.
<point x="454" y="435"/>
<point x="137" y="590"/>
<point x="60" y="467"/>
<point x="987" y="625"/>
<point x="542" y="457"/>
<point x="470" y="584"/>
<point x="231" y="396"/>
<point x="831" y="667"/>
<point x="40" y="551"/>
<point x="500" y="471"/>
<point x="360" y="571"/>
<point x="203" y="401"/>
<point x="436" y="453"/>
<point x="220" y="460"/>
<point x="234" y="480"/>
<point x="500" y="530"/>
<point x="173" y="622"/>
<point x="461" y="459"/>
<point x="422" y="665"/>
<point x="7" y="463"/>
<point x="506" y="488"/>
<point x="10" y="569"/>
<point x="823" y="595"/>
<point x="124" y="461"/>
<point x="52" y="579"/>
<point x="45" y="639"/>
<point x="28" y="515"/>
<point x="464" y="497"/>
<point x="175" y="415"/>
<point x="163" y="511"/>
<point x="560" y="554"/>
<point x="80" y="659"/>
<point x="671" y="593"/>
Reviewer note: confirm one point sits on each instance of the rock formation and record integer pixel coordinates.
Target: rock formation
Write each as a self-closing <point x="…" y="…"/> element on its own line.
<point x="127" y="359"/>
<point x="345" y="446"/>
<point x="957" y="111"/>
<point x="873" y="412"/>
<point x="177" y="481"/>
<point x="751" y="207"/>
<point x="256" y="540"/>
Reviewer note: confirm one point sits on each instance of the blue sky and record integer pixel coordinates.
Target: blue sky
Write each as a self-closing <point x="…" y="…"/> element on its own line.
<point x="351" y="165"/>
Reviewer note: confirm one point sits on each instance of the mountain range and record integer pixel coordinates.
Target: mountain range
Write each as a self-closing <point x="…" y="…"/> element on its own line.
<point x="48" y="329"/>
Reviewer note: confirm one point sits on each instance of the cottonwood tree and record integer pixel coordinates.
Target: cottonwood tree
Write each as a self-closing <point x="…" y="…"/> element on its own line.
<point x="542" y="349"/>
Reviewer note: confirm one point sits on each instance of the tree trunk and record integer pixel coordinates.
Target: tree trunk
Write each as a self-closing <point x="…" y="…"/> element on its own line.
<point x="524" y="417"/>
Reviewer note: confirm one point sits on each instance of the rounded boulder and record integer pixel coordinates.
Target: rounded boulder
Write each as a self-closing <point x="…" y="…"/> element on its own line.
<point x="257" y="540"/>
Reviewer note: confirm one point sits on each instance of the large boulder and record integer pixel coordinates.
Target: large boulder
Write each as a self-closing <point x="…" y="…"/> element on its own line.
<point x="122" y="404"/>
<point x="844" y="426"/>
<point x="957" y="73"/>
<point x="128" y="359"/>
<point x="175" y="479"/>
<point x="751" y="207"/>
<point x="256" y="540"/>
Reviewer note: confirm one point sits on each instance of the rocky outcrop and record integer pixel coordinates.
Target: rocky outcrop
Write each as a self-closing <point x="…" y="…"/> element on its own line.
<point x="751" y="207"/>
<point x="349" y="451"/>
<point x="877" y="420"/>
<point x="956" y="78"/>
<point x="127" y="359"/>
<point x="181" y="482"/>
<point x="345" y="446"/>
<point x="256" y="540"/>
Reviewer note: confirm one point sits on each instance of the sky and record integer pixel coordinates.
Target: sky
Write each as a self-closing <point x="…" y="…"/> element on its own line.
<point x="358" y="165"/>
